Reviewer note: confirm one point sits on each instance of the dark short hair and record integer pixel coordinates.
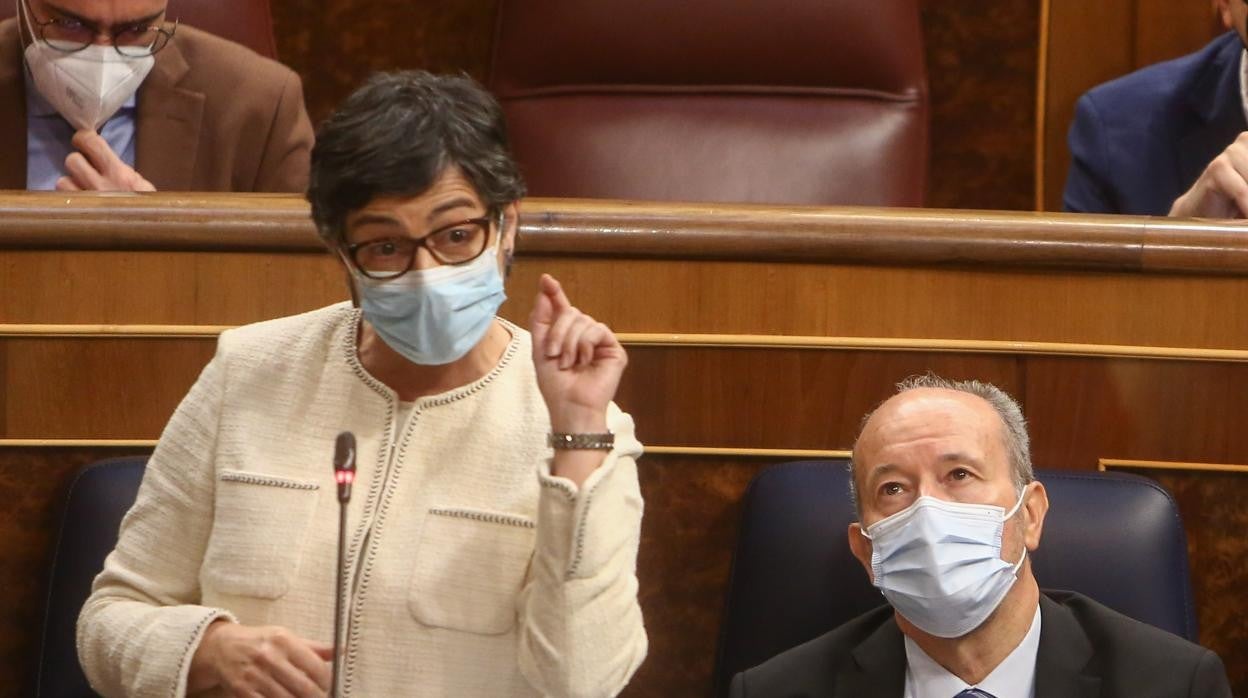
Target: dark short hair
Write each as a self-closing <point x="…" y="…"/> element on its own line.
<point x="397" y="134"/>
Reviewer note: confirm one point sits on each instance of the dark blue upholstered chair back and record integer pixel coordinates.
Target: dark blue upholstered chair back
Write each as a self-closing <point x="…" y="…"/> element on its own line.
<point x="98" y="498"/>
<point x="1112" y="537"/>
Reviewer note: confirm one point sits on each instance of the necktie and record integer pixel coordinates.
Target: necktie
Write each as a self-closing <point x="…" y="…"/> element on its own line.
<point x="974" y="693"/>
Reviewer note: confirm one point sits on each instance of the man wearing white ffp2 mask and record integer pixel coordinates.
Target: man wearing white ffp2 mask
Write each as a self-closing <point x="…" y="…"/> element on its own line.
<point x="949" y="514"/>
<point x="86" y="74"/>
<point x="118" y="96"/>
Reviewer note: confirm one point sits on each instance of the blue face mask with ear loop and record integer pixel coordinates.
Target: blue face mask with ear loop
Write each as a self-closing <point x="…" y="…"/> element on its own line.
<point x="938" y="563"/>
<point x="435" y="316"/>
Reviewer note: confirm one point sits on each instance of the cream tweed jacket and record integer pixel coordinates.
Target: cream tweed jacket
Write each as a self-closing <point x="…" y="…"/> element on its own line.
<point x="473" y="571"/>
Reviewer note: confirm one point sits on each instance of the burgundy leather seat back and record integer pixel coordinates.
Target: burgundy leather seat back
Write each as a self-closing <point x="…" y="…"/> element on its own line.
<point x="248" y="22"/>
<point x="776" y="101"/>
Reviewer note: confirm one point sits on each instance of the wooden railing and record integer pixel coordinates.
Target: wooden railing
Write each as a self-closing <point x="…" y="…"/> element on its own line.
<point x="641" y="230"/>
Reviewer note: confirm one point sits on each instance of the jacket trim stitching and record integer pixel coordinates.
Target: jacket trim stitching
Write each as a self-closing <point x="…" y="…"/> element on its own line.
<point x="557" y="485"/>
<point x="366" y="567"/>
<point x="366" y="571"/>
<point x="199" y="629"/>
<point x="266" y="480"/>
<point x="485" y="517"/>
<point x="370" y="504"/>
<point x="579" y="549"/>
<point x="480" y="384"/>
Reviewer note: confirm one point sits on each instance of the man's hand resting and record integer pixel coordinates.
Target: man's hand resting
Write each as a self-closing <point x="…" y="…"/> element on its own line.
<point x="1222" y="189"/>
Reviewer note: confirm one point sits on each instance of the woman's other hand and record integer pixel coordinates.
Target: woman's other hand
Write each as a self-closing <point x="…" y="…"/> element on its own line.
<point x="259" y="661"/>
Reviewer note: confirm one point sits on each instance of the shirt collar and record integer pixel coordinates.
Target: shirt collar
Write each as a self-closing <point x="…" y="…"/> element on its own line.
<point x="1014" y="677"/>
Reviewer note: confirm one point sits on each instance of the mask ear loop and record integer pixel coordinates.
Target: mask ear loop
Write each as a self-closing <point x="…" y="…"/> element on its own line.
<point x="498" y="242"/>
<point x="863" y="531"/>
<point x="1018" y="505"/>
<point x="1019" y="565"/>
<point x="26" y="20"/>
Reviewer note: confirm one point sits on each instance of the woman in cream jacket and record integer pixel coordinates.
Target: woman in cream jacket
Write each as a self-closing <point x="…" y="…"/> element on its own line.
<point x="492" y="539"/>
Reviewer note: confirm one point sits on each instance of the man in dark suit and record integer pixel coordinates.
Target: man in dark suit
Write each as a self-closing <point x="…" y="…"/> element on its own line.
<point x="1167" y="139"/>
<point x="207" y="114"/>
<point x="949" y="512"/>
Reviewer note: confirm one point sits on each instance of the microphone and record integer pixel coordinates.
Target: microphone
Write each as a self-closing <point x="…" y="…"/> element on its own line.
<point x="344" y="465"/>
<point x="344" y="475"/>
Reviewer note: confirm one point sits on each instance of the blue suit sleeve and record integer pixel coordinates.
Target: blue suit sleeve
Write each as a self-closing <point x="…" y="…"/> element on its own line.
<point x="1088" y="188"/>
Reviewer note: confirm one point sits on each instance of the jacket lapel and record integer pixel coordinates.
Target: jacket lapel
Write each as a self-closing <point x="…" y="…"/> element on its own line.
<point x="13" y="111"/>
<point x="1063" y="660"/>
<point x="168" y="126"/>
<point x="879" y="666"/>
<point x="1215" y="99"/>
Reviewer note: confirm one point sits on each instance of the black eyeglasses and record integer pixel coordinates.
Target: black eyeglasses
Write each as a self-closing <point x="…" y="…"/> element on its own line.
<point x="390" y="258"/>
<point x="70" y="35"/>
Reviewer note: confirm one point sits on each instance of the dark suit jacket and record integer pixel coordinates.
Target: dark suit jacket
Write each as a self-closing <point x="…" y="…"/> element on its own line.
<point x="212" y="116"/>
<point x="1139" y="142"/>
<point x="1086" y="651"/>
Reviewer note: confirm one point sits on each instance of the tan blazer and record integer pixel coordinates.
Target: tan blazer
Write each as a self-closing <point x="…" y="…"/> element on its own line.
<point x="212" y="116"/>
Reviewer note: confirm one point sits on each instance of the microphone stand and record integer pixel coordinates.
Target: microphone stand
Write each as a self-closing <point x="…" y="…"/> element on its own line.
<point x="344" y="475"/>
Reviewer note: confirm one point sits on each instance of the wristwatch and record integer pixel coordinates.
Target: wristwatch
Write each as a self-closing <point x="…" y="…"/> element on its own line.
<point x="581" y="442"/>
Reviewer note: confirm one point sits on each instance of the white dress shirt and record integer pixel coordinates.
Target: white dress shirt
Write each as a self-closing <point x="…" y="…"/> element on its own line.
<point x="1014" y="677"/>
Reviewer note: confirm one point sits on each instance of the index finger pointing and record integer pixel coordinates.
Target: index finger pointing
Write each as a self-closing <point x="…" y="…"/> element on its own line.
<point x="554" y="291"/>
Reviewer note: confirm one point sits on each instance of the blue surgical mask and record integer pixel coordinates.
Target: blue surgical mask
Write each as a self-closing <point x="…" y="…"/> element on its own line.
<point x="434" y="316"/>
<point x="939" y="563"/>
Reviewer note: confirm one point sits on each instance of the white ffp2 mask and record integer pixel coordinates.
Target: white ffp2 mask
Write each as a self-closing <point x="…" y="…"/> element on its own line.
<point x="85" y="87"/>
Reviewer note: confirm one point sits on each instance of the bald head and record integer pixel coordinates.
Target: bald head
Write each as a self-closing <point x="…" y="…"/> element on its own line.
<point x="955" y="440"/>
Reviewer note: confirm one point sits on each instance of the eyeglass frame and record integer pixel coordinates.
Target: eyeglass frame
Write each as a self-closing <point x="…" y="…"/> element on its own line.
<point x="111" y="33"/>
<point x="485" y="221"/>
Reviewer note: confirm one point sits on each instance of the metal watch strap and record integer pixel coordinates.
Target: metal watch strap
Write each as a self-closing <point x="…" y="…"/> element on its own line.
<point x="577" y="442"/>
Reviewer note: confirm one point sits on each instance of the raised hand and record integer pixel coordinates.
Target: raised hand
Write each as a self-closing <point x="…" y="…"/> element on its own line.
<point x="578" y="360"/>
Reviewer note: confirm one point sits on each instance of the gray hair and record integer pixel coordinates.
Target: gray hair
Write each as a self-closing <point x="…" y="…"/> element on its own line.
<point x="1017" y="442"/>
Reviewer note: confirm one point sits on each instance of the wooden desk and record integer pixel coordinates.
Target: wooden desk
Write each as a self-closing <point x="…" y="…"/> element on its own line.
<point x="756" y="335"/>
